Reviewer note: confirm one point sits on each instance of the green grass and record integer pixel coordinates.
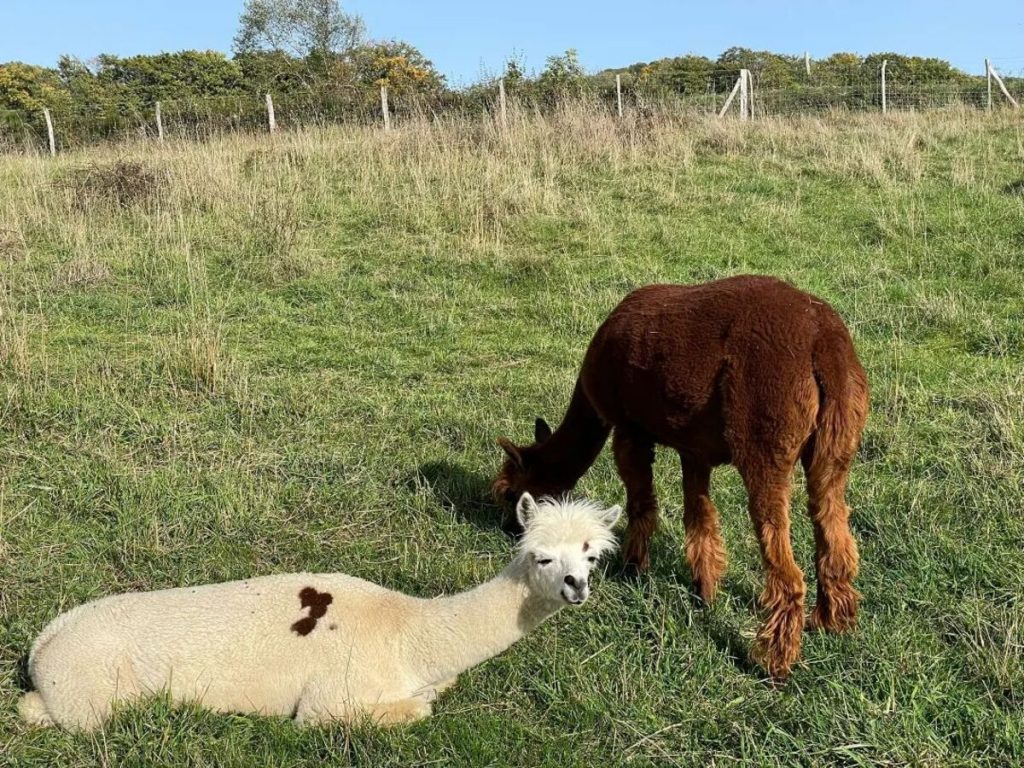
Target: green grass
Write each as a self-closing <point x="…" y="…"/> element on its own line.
<point x="297" y="354"/>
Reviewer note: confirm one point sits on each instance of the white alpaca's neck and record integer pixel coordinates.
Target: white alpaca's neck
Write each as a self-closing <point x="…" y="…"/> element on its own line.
<point x="453" y="634"/>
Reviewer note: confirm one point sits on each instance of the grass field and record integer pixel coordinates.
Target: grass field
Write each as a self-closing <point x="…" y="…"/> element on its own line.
<point x="255" y="356"/>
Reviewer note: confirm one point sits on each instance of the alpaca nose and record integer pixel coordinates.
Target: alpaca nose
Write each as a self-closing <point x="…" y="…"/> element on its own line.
<point x="575" y="583"/>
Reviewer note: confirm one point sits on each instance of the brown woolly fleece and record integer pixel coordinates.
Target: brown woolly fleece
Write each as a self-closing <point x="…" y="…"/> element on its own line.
<point x="748" y="371"/>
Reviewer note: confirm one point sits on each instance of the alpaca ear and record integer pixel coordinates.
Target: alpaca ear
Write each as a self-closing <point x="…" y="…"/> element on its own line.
<point x="610" y="516"/>
<point x="541" y="430"/>
<point x="526" y="509"/>
<point x="511" y="450"/>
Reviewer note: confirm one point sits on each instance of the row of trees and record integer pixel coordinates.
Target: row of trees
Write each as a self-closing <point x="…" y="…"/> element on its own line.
<point x="315" y="57"/>
<point x="308" y="51"/>
<point x="783" y="82"/>
<point x="697" y="74"/>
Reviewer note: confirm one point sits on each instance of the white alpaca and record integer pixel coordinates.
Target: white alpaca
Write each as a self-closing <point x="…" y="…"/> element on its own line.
<point x="317" y="647"/>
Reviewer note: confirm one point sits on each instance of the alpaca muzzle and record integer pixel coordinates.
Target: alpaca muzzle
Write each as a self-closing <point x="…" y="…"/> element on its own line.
<point x="575" y="590"/>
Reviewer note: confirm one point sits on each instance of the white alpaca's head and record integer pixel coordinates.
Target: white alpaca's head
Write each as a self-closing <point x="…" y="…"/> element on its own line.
<point x="561" y="543"/>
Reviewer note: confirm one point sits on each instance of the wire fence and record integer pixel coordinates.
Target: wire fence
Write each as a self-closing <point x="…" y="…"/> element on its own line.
<point x="202" y="118"/>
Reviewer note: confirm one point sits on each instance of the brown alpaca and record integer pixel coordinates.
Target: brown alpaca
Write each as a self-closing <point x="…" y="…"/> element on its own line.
<point x="746" y="371"/>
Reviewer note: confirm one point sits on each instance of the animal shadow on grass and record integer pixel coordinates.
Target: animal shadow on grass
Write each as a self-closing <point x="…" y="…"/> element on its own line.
<point x="730" y="642"/>
<point x="1015" y="188"/>
<point x="21" y="676"/>
<point x="668" y="565"/>
<point x="466" y="493"/>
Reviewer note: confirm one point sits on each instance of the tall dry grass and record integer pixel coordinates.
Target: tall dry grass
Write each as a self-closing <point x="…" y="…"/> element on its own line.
<point x="256" y="208"/>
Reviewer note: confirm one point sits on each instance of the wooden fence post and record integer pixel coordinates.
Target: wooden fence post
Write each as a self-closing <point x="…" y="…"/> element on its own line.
<point x="988" y="77"/>
<point x="49" y="131"/>
<point x="732" y="95"/>
<point x="618" y="93"/>
<point x="1002" y="86"/>
<point x="271" y="119"/>
<point x="744" y="95"/>
<point x="885" y="62"/>
<point x="159" y="124"/>
<point x="384" y="107"/>
<point x="501" y="101"/>
<point x="807" y="63"/>
<point x="750" y="95"/>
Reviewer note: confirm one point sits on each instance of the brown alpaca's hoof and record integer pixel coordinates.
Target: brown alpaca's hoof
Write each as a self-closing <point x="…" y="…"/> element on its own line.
<point x="706" y="591"/>
<point x="706" y="555"/>
<point x="777" y="647"/>
<point x="637" y="558"/>
<point x="836" y="611"/>
<point x="632" y="571"/>
<point x="778" y="663"/>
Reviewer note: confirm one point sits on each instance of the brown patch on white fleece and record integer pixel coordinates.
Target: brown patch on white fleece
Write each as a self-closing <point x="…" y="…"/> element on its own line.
<point x="317" y="603"/>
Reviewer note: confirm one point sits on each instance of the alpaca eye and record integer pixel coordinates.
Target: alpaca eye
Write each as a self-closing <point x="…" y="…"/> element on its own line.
<point x="591" y="559"/>
<point x="545" y="561"/>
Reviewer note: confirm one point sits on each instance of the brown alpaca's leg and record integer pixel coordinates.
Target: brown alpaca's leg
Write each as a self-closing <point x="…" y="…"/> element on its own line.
<point x="705" y="550"/>
<point x="835" y="548"/>
<point x="778" y="639"/>
<point x="633" y="458"/>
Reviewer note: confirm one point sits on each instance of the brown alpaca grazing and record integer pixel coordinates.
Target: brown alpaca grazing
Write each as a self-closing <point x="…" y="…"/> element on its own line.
<point x="746" y="371"/>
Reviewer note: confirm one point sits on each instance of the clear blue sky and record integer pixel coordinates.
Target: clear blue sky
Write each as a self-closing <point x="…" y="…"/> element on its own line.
<point x="466" y="37"/>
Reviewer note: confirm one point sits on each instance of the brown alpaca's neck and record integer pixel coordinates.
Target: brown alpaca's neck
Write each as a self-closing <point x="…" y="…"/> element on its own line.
<point x="575" y="445"/>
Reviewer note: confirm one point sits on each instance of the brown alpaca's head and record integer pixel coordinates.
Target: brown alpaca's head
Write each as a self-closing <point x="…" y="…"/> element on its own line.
<point x="527" y="469"/>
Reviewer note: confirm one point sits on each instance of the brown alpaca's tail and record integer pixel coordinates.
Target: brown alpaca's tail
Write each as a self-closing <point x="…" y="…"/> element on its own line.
<point x="827" y="459"/>
<point x="843" y="389"/>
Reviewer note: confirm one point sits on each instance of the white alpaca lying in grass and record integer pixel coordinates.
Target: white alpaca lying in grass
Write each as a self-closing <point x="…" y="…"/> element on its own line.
<point x="319" y="647"/>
